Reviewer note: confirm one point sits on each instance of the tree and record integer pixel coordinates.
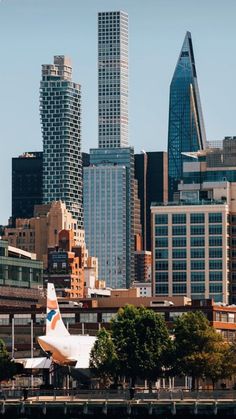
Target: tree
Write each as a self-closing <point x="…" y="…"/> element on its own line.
<point x="7" y="367"/>
<point x="142" y="341"/>
<point x="199" y="351"/>
<point x="103" y="357"/>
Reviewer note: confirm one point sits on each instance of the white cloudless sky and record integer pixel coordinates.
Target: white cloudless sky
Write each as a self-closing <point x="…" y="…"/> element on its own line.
<point x="33" y="31"/>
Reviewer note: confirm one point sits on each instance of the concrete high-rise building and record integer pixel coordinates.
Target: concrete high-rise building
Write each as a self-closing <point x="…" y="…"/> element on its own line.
<point x="60" y="110"/>
<point x="112" y="79"/>
<point x="194" y="240"/>
<point x="186" y="126"/>
<point x="109" y="213"/>
<point x="27" y="184"/>
<point x="151" y="171"/>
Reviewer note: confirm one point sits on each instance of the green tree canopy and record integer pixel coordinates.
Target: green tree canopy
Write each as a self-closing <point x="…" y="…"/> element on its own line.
<point x="199" y="351"/>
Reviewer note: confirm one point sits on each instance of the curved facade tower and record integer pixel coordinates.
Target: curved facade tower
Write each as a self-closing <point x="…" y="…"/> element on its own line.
<point x="186" y="127"/>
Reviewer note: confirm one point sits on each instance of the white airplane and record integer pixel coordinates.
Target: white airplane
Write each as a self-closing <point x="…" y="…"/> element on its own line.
<point x="64" y="349"/>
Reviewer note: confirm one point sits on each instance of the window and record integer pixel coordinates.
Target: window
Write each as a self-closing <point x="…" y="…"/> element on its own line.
<point x="198" y="253"/>
<point x="22" y="319"/>
<point x="197" y="218"/>
<point x="215" y="288"/>
<point x="179" y="265"/>
<point x="179" y="276"/>
<point x="162" y="289"/>
<point x="231" y="317"/>
<point x="215" y="217"/>
<point x="215" y="229"/>
<point x="4" y="319"/>
<point x="161" y="276"/>
<point x="197" y="265"/>
<point x="179" y="254"/>
<point x="106" y="317"/>
<point x="197" y="241"/>
<point x="175" y="314"/>
<point x="88" y="317"/>
<point x="161" y="242"/>
<point x="162" y="266"/>
<point x="197" y="276"/>
<point x="161" y="253"/>
<point x="179" y="242"/>
<point x="161" y="231"/>
<point x="179" y="289"/>
<point x="198" y="288"/>
<point x="161" y="218"/>
<point x="215" y="240"/>
<point x="197" y="230"/>
<point x="178" y="230"/>
<point x="215" y="264"/>
<point x="178" y="218"/>
<point x="215" y="276"/>
<point x="215" y="252"/>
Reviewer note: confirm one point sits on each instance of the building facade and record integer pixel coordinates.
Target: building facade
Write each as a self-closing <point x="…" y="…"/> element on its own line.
<point x="19" y="268"/>
<point x="151" y="171"/>
<point x="60" y="109"/>
<point x="191" y="250"/>
<point x="112" y="79"/>
<point x="186" y="127"/>
<point x="109" y="213"/>
<point x="27" y="184"/>
<point x="38" y="233"/>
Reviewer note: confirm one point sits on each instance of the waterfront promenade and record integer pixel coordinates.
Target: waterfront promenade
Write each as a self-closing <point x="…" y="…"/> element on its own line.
<point x="96" y="403"/>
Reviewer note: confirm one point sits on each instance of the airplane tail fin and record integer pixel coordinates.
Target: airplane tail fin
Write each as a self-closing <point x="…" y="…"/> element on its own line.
<point x="54" y="323"/>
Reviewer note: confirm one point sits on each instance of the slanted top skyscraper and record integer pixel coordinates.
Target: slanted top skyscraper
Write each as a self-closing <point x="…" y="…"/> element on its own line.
<point x="112" y="79"/>
<point x="61" y="128"/>
<point x="186" y="126"/>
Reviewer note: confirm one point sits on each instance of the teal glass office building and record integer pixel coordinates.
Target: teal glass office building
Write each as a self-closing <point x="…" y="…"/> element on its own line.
<point x="60" y="103"/>
<point x="186" y="131"/>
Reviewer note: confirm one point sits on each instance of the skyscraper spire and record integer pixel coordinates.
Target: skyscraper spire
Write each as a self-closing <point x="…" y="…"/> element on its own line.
<point x="186" y="126"/>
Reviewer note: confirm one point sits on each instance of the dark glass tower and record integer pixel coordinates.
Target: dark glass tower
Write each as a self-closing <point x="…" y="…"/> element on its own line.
<point x="186" y="126"/>
<point x="27" y="184"/>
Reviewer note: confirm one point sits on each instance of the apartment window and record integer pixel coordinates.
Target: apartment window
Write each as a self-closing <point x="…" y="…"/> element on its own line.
<point x="22" y="319"/>
<point x="198" y="253"/>
<point x="161" y="253"/>
<point x="4" y="319"/>
<point x="215" y="288"/>
<point x="179" y="288"/>
<point x="179" y="242"/>
<point x="197" y="265"/>
<point x="215" y="229"/>
<point x="198" y="276"/>
<point x="162" y="289"/>
<point x="215" y="252"/>
<point x="161" y="218"/>
<point x="161" y="242"/>
<point x="179" y="276"/>
<point x="175" y="314"/>
<point x="162" y="276"/>
<point x="197" y="230"/>
<point x="106" y="317"/>
<point x="178" y="218"/>
<point x="197" y="241"/>
<point x="215" y="264"/>
<point x="215" y="240"/>
<point x="162" y="266"/>
<point x="161" y="231"/>
<point x="179" y="254"/>
<point x="215" y="276"/>
<point x="178" y="230"/>
<point x="198" y="288"/>
<point x="197" y="218"/>
<point x="215" y="217"/>
<point x="179" y="265"/>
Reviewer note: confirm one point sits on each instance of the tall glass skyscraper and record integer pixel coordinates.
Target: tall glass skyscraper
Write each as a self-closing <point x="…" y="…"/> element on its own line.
<point x="109" y="213"/>
<point x="61" y="127"/>
<point x="112" y="79"/>
<point x="186" y="126"/>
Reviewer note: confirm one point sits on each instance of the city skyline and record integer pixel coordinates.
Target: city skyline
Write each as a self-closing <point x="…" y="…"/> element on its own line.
<point x="156" y="33"/>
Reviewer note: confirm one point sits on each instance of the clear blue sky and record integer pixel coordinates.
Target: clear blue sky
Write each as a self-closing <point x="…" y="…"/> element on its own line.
<point x="32" y="31"/>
